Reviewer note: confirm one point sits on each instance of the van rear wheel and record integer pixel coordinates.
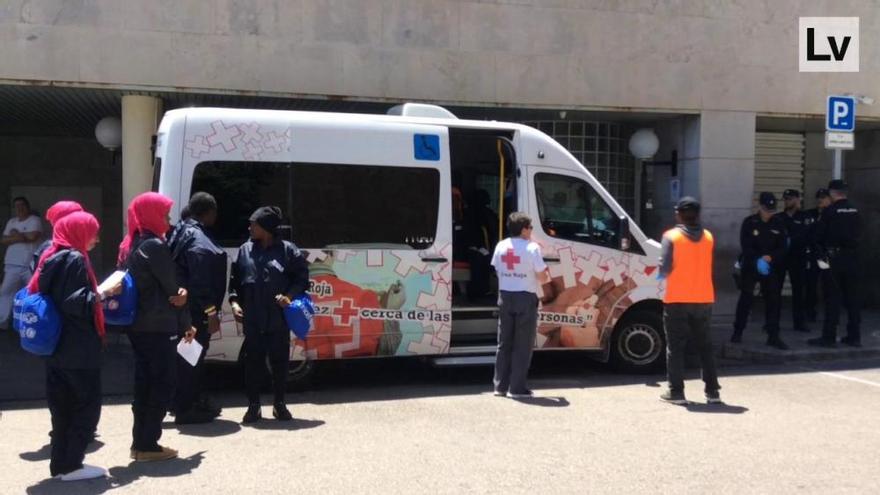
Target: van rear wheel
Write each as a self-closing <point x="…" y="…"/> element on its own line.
<point x="301" y="372"/>
<point x="639" y="344"/>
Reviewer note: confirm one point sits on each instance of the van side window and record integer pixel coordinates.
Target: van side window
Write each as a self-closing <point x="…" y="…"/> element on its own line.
<point x="570" y="209"/>
<point x="327" y="205"/>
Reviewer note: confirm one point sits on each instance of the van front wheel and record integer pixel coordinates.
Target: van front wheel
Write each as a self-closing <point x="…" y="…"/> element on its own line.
<point x="639" y="344"/>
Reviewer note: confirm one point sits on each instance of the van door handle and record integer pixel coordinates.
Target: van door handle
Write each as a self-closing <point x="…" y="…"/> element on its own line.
<point x="435" y="260"/>
<point x="552" y="260"/>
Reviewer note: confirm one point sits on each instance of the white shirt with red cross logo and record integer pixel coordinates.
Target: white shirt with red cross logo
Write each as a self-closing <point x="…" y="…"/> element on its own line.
<point x="517" y="263"/>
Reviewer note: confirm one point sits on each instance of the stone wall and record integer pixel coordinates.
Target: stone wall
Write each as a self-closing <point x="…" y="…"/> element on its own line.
<point x="677" y="55"/>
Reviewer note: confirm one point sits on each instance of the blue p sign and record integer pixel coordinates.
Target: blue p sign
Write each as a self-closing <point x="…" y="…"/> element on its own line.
<point x="841" y="114"/>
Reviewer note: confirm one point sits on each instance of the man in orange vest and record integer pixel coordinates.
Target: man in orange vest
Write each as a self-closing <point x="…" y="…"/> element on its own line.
<point x="686" y="264"/>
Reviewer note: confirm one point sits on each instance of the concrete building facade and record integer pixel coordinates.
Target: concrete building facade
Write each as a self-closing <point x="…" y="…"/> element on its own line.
<point x="706" y="75"/>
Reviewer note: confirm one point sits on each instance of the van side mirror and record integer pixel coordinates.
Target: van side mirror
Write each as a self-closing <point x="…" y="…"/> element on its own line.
<point x="623" y="233"/>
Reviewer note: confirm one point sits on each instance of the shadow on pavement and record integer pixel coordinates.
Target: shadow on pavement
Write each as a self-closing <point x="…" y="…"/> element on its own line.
<point x="216" y="428"/>
<point x="120" y="476"/>
<point x="44" y="454"/>
<point x="715" y="408"/>
<point x="292" y="425"/>
<point x="545" y="401"/>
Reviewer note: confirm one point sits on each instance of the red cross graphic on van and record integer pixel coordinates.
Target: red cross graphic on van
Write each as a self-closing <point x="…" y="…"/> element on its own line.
<point x="346" y="311"/>
<point x="510" y="259"/>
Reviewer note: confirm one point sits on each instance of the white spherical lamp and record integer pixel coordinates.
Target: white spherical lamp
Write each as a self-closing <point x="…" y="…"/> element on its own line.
<point x="644" y="144"/>
<point x="108" y="132"/>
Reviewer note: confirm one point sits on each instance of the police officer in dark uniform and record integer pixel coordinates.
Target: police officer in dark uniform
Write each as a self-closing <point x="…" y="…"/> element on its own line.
<point x="811" y="289"/>
<point x="797" y="228"/>
<point x="267" y="274"/>
<point x="762" y="239"/>
<point x="837" y="234"/>
<point x="201" y="270"/>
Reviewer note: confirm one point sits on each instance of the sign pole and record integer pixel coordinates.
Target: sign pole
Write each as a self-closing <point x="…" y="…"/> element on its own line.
<point x="837" y="173"/>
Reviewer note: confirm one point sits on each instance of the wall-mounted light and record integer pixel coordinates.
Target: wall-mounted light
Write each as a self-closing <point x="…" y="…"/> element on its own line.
<point x="108" y="132"/>
<point x="644" y="143"/>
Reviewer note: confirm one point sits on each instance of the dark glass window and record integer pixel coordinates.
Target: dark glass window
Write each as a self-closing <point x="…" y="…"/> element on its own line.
<point x="570" y="209"/>
<point x="327" y="205"/>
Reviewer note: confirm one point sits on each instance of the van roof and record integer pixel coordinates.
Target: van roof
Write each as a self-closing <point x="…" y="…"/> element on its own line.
<point x="208" y="114"/>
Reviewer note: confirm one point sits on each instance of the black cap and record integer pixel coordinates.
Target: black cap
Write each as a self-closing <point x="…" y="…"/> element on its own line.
<point x="687" y="203"/>
<point x="837" y="185"/>
<point x="821" y="193"/>
<point x="767" y="201"/>
<point x="791" y="193"/>
<point x="268" y="217"/>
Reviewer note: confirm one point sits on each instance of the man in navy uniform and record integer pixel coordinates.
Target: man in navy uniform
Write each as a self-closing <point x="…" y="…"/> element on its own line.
<point x="797" y="226"/>
<point x="762" y="239"/>
<point x="201" y="270"/>
<point x="811" y="291"/>
<point x="838" y="234"/>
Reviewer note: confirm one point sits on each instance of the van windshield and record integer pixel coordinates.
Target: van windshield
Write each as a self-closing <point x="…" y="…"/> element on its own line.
<point x="326" y="205"/>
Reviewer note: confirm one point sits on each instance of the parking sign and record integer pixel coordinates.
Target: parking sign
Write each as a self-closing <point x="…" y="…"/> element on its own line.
<point x="840" y="115"/>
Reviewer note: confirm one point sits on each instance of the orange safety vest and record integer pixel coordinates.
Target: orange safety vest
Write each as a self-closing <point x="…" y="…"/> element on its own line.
<point x="690" y="280"/>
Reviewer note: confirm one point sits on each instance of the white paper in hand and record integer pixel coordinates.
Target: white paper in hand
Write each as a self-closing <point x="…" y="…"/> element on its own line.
<point x="189" y="351"/>
<point x="112" y="281"/>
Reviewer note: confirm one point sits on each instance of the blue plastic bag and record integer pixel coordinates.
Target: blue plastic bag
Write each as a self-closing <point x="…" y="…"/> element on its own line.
<point x="763" y="267"/>
<point x="298" y="316"/>
<point x="38" y="323"/>
<point x="121" y="309"/>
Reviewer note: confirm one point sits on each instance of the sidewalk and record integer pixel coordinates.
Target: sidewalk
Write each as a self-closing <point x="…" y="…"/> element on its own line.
<point x="754" y="349"/>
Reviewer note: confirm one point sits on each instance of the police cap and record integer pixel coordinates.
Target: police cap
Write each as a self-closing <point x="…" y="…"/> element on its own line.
<point x="767" y="201"/>
<point x="791" y="193"/>
<point x="821" y="193"/>
<point x="837" y="185"/>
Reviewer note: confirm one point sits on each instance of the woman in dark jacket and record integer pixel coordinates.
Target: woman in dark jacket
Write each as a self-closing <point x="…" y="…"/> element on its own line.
<point x="159" y="319"/>
<point x="267" y="274"/>
<point x="73" y="371"/>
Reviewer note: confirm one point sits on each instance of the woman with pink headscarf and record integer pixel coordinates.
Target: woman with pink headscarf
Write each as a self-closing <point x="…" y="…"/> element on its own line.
<point x="161" y="319"/>
<point x="73" y="372"/>
<point x="55" y="212"/>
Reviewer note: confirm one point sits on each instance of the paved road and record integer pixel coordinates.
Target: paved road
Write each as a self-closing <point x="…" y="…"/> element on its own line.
<point x="402" y="428"/>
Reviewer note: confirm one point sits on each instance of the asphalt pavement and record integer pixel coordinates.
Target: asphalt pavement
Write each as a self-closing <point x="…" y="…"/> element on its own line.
<point x="403" y="427"/>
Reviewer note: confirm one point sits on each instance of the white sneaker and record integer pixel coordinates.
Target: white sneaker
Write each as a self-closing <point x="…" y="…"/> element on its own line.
<point x="87" y="472"/>
<point x="526" y="394"/>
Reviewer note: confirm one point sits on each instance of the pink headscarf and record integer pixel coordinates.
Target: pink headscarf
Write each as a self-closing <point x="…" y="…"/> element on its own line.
<point x="73" y="231"/>
<point x="148" y="212"/>
<point x="61" y="209"/>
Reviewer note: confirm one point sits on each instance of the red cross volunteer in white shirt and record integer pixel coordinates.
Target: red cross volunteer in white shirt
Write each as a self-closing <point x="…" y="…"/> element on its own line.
<point x="520" y="268"/>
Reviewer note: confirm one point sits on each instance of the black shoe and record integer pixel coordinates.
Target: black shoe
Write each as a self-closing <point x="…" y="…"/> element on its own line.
<point x="193" y="416"/>
<point x="777" y="343"/>
<point x="713" y="397"/>
<point x="676" y="398"/>
<point x="208" y="406"/>
<point x="281" y="413"/>
<point x="821" y="342"/>
<point x="736" y="338"/>
<point x="253" y="414"/>
<point x="524" y="394"/>
<point x="850" y="342"/>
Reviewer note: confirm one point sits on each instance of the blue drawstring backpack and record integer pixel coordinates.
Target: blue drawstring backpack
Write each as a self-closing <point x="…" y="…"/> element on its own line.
<point x="298" y="316"/>
<point x="37" y="322"/>
<point x="120" y="309"/>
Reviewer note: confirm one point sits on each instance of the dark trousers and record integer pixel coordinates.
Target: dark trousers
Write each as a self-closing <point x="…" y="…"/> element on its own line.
<point x="771" y="288"/>
<point x="190" y="379"/>
<point x="796" y="268"/>
<point x="841" y="288"/>
<point x="689" y="323"/>
<point x="811" y="290"/>
<point x="74" y="398"/>
<point x="155" y="377"/>
<point x="517" y="326"/>
<point x="257" y="348"/>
